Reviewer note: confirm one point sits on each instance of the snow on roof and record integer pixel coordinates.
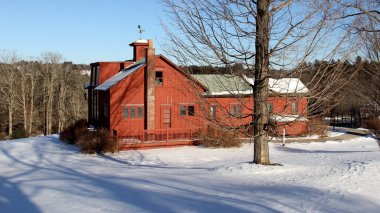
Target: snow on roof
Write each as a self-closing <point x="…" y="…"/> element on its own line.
<point x="233" y="85"/>
<point x="284" y="85"/>
<point x="288" y="118"/>
<point x="120" y="76"/>
<point x="287" y="85"/>
<point x="143" y="41"/>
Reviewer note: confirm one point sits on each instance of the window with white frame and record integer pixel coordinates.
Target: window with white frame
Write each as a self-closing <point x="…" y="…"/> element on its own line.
<point x="269" y="107"/>
<point x="236" y="110"/>
<point x="294" y="107"/>
<point x="213" y="111"/>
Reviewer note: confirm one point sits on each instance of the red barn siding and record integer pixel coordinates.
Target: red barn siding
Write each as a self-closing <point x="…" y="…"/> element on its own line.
<point x="109" y="69"/>
<point x="293" y="128"/>
<point x="283" y="105"/>
<point x="223" y="110"/>
<point x="177" y="89"/>
<point x="128" y="92"/>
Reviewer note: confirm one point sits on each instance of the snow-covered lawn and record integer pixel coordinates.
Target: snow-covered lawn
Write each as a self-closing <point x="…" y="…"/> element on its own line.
<point x="43" y="174"/>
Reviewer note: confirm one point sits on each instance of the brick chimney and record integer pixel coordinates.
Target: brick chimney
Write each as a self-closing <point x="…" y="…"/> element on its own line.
<point x="139" y="49"/>
<point x="149" y="86"/>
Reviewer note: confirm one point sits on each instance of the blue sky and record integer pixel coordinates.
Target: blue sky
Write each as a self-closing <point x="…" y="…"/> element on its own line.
<point x="83" y="31"/>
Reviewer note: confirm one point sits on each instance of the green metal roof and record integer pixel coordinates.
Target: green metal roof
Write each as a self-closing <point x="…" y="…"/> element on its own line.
<point x="217" y="83"/>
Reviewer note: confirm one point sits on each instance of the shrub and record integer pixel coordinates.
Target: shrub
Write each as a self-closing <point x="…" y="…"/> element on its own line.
<point x="219" y="137"/>
<point x="318" y="127"/>
<point x="90" y="142"/>
<point x="3" y="136"/>
<point x="71" y="133"/>
<point x="373" y="125"/>
<point x="19" y="132"/>
<point x="99" y="141"/>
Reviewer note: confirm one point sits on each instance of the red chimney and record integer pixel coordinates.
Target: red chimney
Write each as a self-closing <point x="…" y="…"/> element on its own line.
<point x="139" y="49"/>
<point x="149" y="86"/>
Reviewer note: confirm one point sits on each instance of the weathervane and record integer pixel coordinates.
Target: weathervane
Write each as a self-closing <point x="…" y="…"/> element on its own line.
<point x="141" y="30"/>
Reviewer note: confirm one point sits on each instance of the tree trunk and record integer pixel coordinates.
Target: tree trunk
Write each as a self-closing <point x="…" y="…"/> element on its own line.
<point x="10" y="118"/>
<point x="60" y="107"/>
<point x="49" y="103"/>
<point x="24" y="104"/>
<point x="31" y="109"/>
<point x="260" y="94"/>
<point x="49" y="112"/>
<point x="46" y="117"/>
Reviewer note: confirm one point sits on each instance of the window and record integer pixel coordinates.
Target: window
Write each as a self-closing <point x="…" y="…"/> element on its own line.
<point x="105" y="110"/>
<point x="159" y="79"/>
<point x="95" y="105"/>
<point x="190" y="110"/>
<point x="92" y="75"/>
<point x="213" y="112"/>
<point x="295" y="107"/>
<point x="140" y="112"/>
<point x="97" y="68"/>
<point x="133" y="112"/>
<point x="95" y="75"/>
<point x="239" y="111"/>
<point x="269" y="107"/>
<point x="236" y="110"/>
<point x="182" y="110"/>
<point x="125" y="112"/>
<point x="186" y="110"/>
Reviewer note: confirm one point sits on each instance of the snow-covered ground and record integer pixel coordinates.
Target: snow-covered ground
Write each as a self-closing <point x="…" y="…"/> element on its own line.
<point x="43" y="174"/>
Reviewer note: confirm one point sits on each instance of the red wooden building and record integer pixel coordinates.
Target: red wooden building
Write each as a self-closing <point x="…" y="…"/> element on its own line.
<point x="149" y="101"/>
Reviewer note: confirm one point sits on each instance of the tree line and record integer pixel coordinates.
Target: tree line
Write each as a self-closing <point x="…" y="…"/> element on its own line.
<point x="40" y="96"/>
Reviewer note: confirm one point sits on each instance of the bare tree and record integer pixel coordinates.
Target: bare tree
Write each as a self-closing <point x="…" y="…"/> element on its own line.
<point x="369" y="36"/>
<point x="70" y="99"/>
<point x="49" y="74"/>
<point x="26" y="74"/>
<point x="41" y="95"/>
<point x="32" y="68"/>
<point x="264" y="35"/>
<point x="8" y="85"/>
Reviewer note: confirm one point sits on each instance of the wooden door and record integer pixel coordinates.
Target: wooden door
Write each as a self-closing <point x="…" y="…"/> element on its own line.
<point x="166" y="117"/>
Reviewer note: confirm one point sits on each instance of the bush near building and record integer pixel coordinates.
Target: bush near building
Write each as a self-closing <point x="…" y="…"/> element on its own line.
<point x="90" y="142"/>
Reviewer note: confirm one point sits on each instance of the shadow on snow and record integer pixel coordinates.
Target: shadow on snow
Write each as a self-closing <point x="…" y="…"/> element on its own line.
<point x="169" y="191"/>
